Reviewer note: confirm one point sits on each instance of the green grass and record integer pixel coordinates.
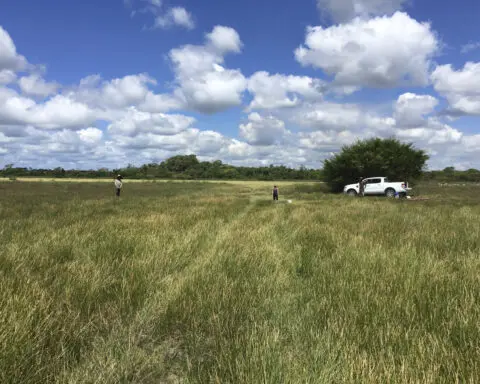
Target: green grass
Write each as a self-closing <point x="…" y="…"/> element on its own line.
<point x="212" y="282"/>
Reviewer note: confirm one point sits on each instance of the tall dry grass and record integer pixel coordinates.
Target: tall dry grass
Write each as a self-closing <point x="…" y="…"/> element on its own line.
<point x="203" y="282"/>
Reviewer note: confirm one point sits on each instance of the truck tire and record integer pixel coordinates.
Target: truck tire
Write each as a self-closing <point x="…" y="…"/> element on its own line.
<point x="390" y="192"/>
<point x="351" y="192"/>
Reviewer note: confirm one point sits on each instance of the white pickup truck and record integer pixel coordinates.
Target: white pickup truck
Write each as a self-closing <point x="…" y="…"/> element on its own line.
<point x="379" y="186"/>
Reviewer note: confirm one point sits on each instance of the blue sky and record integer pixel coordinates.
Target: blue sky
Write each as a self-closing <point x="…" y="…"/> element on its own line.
<point x="230" y="81"/>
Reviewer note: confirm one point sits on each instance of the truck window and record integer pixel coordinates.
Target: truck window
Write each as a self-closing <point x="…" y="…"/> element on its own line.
<point x="374" y="181"/>
<point x="385" y="180"/>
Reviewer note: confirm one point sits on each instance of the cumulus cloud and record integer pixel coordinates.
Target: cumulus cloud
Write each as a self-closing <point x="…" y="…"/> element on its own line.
<point x="7" y="76"/>
<point x="57" y="112"/>
<point x="321" y="141"/>
<point x="327" y="116"/>
<point x="432" y="134"/>
<point x="345" y="10"/>
<point x="380" y="52"/>
<point x="203" y="83"/>
<point x="9" y="58"/>
<point x="224" y="40"/>
<point x="178" y="16"/>
<point x="164" y="17"/>
<point x="282" y="91"/>
<point x="191" y="140"/>
<point x="113" y="96"/>
<point x="302" y="125"/>
<point x="262" y="130"/>
<point x="460" y="87"/>
<point x="328" y="126"/>
<point x="136" y="122"/>
<point x="90" y="135"/>
<point x="117" y="93"/>
<point x="34" y="85"/>
<point x="411" y="109"/>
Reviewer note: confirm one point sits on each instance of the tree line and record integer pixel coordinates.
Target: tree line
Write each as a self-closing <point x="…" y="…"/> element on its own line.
<point x="181" y="167"/>
<point x="374" y="157"/>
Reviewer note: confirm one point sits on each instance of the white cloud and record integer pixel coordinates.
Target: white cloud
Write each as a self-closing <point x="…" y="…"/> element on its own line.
<point x="203" y="83"/>
<point x="470" y="47"/>
<point x="60" y="131"/>
<point x="187" y="141"/>
<point x="58" y="112"/>
<point x="328" y="116"/>
<point x="34" y="85"/>
<point x="281" y="91"/>
<point x="327" y="141"/>
<point x="330" y="126"/>
<point x="9" y="58"/>
<point x="411" y="109"/>
<point x="136" y="122"/>
<point x="471" y="143"/>
<point x="164" y="17"/>
<point x="345" y="10"/>
<point x="380" y="52"/>
<point x="209" y="143"/>
<point x="178" y="16"/>
<point x="431" y="134"/>
<point x="224" y="39"/>
<point x="461" y="88"/>
<point x="7" y="76"/>
<point x="262" y="130"/>
<point x="115" y="95"/>
<point x="155" y="103"/>
<point x="90" y="135"/>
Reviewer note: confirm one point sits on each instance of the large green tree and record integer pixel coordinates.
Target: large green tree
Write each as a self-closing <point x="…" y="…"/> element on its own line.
<point x="181" y="163"/>
<point x="374" y="157"/>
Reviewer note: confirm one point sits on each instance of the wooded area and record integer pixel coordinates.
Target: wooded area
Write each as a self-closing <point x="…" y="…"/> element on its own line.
<point x="188" y="167"/>
<point x="177" y="167"/>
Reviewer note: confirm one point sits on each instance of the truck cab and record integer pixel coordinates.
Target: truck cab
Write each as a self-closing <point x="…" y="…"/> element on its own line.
<point x="378" y="186"/>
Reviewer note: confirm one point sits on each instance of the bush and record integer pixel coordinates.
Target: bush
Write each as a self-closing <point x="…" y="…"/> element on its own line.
<point x="374" y="157"/>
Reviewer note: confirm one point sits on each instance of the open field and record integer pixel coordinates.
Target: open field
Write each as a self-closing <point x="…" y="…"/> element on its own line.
<point x="212" y="282"/>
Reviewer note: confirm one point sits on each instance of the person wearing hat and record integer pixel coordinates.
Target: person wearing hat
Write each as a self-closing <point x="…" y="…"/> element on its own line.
<point x="118" y="185"/>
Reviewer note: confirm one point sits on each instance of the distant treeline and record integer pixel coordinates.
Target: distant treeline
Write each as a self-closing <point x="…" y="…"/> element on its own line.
<point x="450" y="174"/>
<point x="189" y="168"/>
<point x="177" y="167"/>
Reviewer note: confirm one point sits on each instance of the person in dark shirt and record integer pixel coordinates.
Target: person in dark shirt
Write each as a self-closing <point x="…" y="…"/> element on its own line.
<point x="275" y="193"/>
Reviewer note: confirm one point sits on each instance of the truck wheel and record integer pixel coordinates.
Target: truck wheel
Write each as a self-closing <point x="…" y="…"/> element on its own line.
<point x="352" y="192"/>
<point x="390" y="193"/>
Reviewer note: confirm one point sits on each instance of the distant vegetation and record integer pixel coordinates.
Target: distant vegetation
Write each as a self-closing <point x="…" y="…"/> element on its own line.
<point x="190" y="168"/>
<point x="177" y="167"/>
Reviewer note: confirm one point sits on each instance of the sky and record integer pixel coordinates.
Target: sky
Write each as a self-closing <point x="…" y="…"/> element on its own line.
<point x="97" y="84"/>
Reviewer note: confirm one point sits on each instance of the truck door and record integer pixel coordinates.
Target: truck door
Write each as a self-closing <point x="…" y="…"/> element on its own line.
<point x="373" y="187"/>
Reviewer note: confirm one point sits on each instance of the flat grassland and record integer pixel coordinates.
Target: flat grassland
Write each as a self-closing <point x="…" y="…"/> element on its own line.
<point x="213" y="282"/>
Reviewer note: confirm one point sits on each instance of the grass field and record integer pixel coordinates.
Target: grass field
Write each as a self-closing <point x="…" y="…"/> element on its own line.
<point x="213" y="283"/>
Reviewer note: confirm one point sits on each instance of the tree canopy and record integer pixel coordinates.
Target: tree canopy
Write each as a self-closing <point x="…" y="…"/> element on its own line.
<point x="374" y="157"/>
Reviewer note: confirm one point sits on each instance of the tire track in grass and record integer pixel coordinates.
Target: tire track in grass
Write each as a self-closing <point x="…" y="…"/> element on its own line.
<point x="146" y="337"/>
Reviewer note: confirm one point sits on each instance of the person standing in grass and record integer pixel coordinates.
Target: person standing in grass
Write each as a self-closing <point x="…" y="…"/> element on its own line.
<point x="361" y="187"/>
<point x="118" y="185"/>
<point x="275" y="193"/>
